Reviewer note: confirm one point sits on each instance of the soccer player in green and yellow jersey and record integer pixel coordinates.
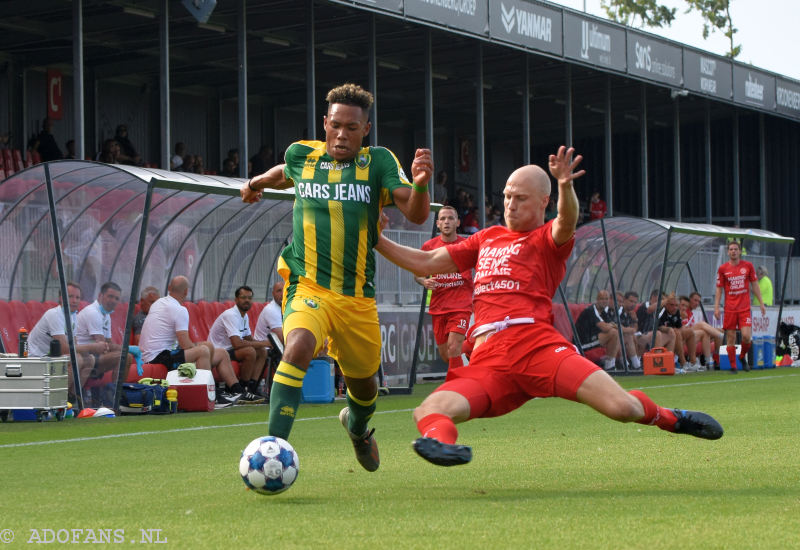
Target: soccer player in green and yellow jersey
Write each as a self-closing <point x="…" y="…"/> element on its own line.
<point x="340" y="190"/>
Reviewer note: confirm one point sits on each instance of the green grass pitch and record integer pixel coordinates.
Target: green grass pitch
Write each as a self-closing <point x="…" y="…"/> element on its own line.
<point x="553" y="474"/>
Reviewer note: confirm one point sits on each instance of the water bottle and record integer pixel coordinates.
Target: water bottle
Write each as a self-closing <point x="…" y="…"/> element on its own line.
<point x="23" y="342"/>
<point x="172" y="398"/>
<point x="55" y="348"/>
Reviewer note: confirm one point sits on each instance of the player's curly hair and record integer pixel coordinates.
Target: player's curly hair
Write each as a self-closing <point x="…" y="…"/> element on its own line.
<point x="350" y="94"/>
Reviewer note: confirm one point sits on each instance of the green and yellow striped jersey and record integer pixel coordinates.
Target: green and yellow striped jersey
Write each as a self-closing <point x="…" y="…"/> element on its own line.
<point x="337" y="214"/>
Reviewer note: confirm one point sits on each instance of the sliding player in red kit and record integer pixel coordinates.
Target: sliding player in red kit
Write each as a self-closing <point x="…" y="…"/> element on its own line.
<point x="518" y="354"/>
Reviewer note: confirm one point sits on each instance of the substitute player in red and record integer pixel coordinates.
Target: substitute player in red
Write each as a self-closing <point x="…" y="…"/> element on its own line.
<point x="518" y="354"/>
<point x="737" y="277"/>
<point x="451" y="294"/>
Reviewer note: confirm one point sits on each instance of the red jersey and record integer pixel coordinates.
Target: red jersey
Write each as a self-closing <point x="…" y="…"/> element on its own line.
<point x="736" y="282"/>
<point x="453" y="291"/>
<point x="597" y="209"/>
<point x="516" y="273"/>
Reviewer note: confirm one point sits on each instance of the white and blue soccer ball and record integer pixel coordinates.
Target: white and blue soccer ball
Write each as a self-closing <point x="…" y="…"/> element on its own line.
<point x="269" y="465"/>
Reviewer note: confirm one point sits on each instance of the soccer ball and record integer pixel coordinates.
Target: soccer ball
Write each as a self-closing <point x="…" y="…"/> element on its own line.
<point x="269" y="465"/>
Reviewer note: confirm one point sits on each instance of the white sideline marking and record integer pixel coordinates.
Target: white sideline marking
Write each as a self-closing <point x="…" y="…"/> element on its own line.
<point x="241" y="425"/>
<point x="174" y="430"/>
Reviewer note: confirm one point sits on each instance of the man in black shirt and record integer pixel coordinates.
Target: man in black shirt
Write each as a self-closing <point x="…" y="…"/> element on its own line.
<point x="670" y="317"/>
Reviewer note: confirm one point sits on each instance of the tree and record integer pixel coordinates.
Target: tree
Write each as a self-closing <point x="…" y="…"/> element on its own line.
<point x="650" y="12"/>
<point x="717" y="15"/>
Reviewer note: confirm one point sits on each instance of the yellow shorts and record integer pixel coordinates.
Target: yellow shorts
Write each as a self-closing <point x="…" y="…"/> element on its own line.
<point x="350" y="325"/>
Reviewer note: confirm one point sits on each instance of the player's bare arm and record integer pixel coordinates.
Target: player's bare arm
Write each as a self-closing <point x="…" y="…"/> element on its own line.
<point x="562" y="167"/>
<point x="415" y="204"/>
<point x="273" y="178"/>
<point x="717" y="297"/>
<point x="419" y="262"/>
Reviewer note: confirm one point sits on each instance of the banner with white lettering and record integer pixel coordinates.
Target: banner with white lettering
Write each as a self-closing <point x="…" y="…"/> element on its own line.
<point x="592" y="42"/>
<point x="787" y="97"/>
<point x="466" y="15"/>
<point x="707" y="74"/>
<point x="395" y="6"/>
<point x="654" y="59"/>
<point x="398" y="337"/>
<point x="525" y="24"/>
<point x="752" y="87"/>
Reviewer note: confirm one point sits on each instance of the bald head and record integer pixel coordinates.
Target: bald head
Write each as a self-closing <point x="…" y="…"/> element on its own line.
<point x="526" y="195"/>
<point x="179" y="286"/>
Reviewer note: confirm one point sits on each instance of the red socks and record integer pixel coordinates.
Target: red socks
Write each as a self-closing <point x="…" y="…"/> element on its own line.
<point x="745" y="349"/>
<point x="653" y="414"/>
<point x="455" y="362"/>
<point x="732" y="356"/>
<point x="438" y="427"/>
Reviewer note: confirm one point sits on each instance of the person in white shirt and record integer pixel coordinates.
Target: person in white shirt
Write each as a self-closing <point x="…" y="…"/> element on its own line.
<point x="271" y="317"/>
<point x="93" y="330"/>
<point x="165" y="340"/>
<point x="231" y="331"/>
<point x="51" y="325"/>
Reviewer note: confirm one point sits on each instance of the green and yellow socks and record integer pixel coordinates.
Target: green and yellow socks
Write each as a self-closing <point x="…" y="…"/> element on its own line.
<point x="284" y="398"/>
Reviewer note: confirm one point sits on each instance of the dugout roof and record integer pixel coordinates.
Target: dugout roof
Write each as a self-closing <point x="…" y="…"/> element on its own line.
<point x="646" y="254"/>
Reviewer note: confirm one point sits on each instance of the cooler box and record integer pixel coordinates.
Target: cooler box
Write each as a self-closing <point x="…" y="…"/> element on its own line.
<point x="658" y="361"/>
<point x="724" y="362"/>
<point x="769" y="352"/>
<point x="318" y="382"/>
<point x="33" y="382"/>
<point x="194" y="394"/>
<point x="758" y="352"/>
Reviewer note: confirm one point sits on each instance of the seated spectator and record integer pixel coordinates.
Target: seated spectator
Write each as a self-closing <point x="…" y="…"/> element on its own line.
<point x="109" y="152"/>
<point x="469" y="224"/>
<point x="670" y="317"/>
<point x="199" y="168"/>
<point x="630" y="327"/>
<point x="551" y="212"/>
<point x="228" y="169"/>
<point x="261" y="161"/>
<point x="93" y="331"/>
<point x="127" y="152"/>
<point x="168" y="322"/>
<point x="231" y="332"/>
<point x="70" y="145"/>
<point x="176" y="161"/>
<point x="596" y="326"/>
<point x="703" y="332"/>
<point x="233" y="156"/>
<point x="48" y="148"/>
<point x="645" y="313"/>
<point x="597" y="207"/>
<point x="188" y="164"/>
<point x="51" y="325"/>
<point x="148" y="295"/>
<point x="271" y="317"/>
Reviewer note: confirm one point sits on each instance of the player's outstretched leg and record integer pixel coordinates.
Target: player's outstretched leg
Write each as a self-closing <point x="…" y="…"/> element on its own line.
<point x="679" y="421"/>
<point x="437" y="444"/>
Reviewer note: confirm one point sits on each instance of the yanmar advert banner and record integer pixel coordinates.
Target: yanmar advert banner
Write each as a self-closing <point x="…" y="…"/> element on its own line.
<point x="526" y="24"/>
<point x="466" y="15"/>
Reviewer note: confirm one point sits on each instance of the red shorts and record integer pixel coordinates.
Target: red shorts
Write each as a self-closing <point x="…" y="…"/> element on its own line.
<point x="731" y="320"/>
<point x="445" y="323"/>
<point x="517" y="364"/>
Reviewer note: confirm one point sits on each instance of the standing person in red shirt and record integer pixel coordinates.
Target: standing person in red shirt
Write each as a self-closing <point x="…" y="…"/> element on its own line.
<point x="451" y="296"/>
<point x="597" y="207"/>
<point x="518" y="353"/>
<point x="737" y="277"/>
